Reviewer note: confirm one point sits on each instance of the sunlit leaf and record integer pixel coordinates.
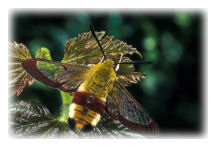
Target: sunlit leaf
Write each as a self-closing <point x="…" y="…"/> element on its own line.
<point x="43" y="53"/>
<point x="111" y="128"/>
<point x="78" y="49"/>
<point x="85" y="50"/>
<point x="18" y="77"/>
<point x="127" y="75"/>
<point x="30" y="119"/>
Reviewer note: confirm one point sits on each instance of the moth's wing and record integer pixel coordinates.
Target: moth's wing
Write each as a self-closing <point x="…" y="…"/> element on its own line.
<point x="65" y="77"/>
<point x="122" y="106"/>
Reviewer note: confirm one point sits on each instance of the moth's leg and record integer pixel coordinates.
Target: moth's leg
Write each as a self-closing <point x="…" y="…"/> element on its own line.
<point x="117" y="66"/>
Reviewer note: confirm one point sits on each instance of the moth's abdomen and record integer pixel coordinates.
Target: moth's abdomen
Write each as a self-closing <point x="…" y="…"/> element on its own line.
<point x="85" y="111"/>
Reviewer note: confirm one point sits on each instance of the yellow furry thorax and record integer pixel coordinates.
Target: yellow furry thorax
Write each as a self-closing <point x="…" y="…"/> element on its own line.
<point x="99" y="79"/>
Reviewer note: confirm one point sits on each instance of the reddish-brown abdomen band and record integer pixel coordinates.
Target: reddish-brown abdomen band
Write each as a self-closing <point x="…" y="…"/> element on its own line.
<point x="90" y="101"/>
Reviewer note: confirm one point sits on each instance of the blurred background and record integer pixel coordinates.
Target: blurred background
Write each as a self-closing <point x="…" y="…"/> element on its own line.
<point x="172" y="91"/>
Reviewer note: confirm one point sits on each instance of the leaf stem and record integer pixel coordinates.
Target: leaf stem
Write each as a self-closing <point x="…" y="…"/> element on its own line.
<point x="66" y="100"/>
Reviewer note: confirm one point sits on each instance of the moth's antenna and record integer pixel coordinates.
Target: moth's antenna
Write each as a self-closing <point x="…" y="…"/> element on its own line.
<point x="93" y="33"/>
<point x="136" y="62"/>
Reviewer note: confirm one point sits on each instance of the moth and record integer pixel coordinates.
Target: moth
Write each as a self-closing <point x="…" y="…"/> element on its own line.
<point x="96" y="90"/>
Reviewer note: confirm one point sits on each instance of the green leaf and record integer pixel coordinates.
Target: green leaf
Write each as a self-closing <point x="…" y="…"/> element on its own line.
<point x="76" y="49"/>
<point x="108" y="127"/>
<point x="85" y="50"/>
<point x="127" y="75"/>
<point x="30" y="119"/>
<point x="17" y="75"/>
<point x="43" y="53"/>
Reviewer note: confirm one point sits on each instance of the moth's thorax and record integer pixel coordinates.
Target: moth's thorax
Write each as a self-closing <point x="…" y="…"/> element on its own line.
<point x="99" y="79"/>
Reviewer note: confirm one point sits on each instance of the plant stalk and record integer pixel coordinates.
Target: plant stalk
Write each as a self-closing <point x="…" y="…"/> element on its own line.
<point x="66" y="101"/>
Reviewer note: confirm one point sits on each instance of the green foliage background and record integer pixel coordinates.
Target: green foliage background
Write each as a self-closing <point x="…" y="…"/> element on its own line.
<point x="172" y="91"/>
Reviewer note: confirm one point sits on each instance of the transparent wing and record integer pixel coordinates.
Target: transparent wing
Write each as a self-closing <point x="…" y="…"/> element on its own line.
<point x="122" y="106"/>
<point x="66" y="77"/>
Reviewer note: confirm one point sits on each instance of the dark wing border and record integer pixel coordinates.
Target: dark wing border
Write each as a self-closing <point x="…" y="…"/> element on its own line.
<point x="31" y="68"/>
